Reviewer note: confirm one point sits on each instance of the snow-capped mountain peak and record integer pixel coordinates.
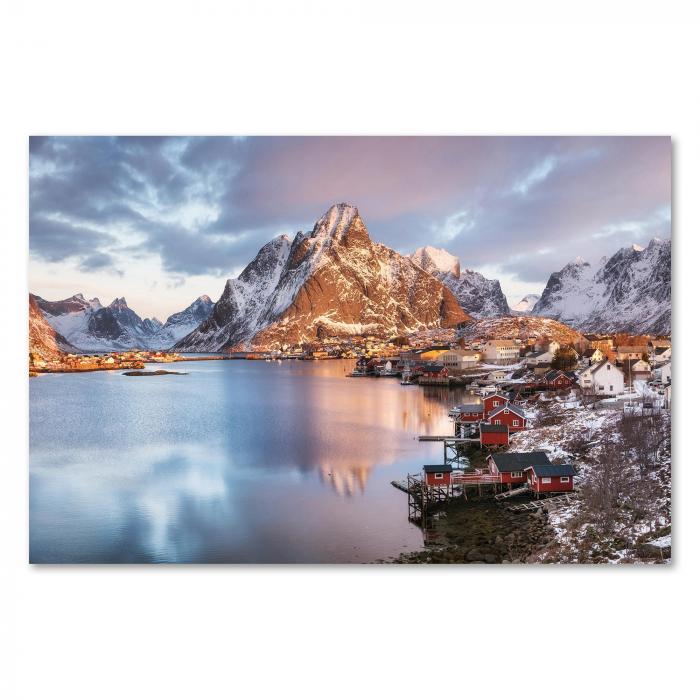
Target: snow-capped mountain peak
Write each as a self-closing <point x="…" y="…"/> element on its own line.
<point x="331" y="281"/>
<point x="477" y="296"/>
<point x="436" y="260"/>
<point x="631" y="292"/>
<point x="525" y="305"/>
<point x="90" y="326"/>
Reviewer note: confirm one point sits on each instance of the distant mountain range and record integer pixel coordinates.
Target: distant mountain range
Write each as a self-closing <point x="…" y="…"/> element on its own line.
<point x="526" y="304"/>
<point x="335" y="281"/>
<point x="629" y="292"/>
<point x="88" y="325"/>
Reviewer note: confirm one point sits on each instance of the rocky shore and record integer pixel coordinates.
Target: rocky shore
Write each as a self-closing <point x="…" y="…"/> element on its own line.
<point x="481" y="532"/>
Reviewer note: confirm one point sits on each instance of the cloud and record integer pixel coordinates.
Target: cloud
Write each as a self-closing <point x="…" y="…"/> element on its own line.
<point x="99" y="261"/>
<point x="205" y="205"/>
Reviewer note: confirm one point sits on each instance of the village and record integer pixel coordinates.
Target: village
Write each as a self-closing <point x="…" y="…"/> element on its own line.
<point x="540" y="425"/>
<point x="73" y="362"/>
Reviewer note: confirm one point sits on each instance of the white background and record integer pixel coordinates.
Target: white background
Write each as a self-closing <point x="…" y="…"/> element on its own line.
<point x="361" y="67"/>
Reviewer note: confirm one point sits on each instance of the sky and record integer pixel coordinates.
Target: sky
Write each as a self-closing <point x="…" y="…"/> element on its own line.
<point x="163" y="220"/>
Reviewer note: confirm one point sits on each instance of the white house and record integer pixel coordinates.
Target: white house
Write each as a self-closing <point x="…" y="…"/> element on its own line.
<point x="501" y="352"/>
<point x="535" y="359"/>
<point x="660" y="355"/>
<point x="603" y="379"/>
<point x="459" y="359"/>
<point x="641" y="367"/>
<point x="593" y="356"/>
<point x="665" y="373"/>
<point x="497" y="375"/>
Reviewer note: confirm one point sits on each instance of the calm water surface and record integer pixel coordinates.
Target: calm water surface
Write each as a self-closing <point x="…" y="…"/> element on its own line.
<point x="237" y="461"/>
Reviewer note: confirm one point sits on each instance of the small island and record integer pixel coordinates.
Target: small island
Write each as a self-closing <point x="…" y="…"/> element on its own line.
<point x="147" y="373"/>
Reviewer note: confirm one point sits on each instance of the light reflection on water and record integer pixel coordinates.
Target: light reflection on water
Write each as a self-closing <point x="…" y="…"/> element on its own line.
<point x="236" y="462"/>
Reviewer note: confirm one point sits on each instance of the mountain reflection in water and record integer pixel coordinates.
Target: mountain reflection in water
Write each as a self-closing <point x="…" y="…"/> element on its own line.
<point x="237" y="461"/>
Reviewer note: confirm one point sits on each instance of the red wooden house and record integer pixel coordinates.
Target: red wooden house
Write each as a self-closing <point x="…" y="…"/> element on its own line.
<point x="511" y="466"/>
<point x="494" y="401"/>
<point x="435" y="371"/>
<point x="471" y="411"/>
<point x="493" y="435"/>
<point x="510" y="415"/>
<point x="556" y="380"/>
<point x="550" y="478"/>
<point x="437" y="474"/>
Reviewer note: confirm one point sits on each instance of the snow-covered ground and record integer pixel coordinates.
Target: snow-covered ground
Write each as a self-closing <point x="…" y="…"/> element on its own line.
<point x="581" y="435"/>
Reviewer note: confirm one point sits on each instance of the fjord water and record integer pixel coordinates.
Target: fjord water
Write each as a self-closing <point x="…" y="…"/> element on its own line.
<point x="237" y="461"/>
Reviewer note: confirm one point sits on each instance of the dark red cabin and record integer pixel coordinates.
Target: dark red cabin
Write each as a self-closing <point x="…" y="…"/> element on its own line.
<point x="471" y="411"/>
<point x="435" y="371"/>
<point x="493" y="435"/>
<point x="550" y="478"/>
<point x="494" y="401"/>
<point x="511" y="466"/>
<point x="556" y="379"/>
<point x="509" y="415"/>
<point x="437" y="474"/>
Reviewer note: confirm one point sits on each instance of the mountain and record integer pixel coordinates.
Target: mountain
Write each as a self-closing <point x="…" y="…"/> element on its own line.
<point x="90" y="326"/>
<point x="43" y="339"/>
<point x="526" y="304"/>
<point x="332" y="281"/>
<point x="477" y="296"/>
<point x="520" y="327"/>
<point x="630" y="292"/>
<point x="177" y="326"/>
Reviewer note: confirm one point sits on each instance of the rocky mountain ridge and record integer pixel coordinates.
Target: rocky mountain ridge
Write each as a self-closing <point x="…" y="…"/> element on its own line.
<point x="331" y="281"/>
<point x="629" y="292"/>
<point x="89" y="326"/>
<point x="477" y="296"/>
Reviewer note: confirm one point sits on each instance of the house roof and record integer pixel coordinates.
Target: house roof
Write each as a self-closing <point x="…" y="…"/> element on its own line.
<point x="470" y="405"/>
<point x="513" y="409"/>
<point x="433" y="368"/>
<point x="552" y="469"/>
<point x="436" y="468"/>
<point x="488" y="428"/>
<point x="593" y="369"/>
<point x="632" y="348"/>
<point x="495" y="394"/>
<point x="517" y="461"/>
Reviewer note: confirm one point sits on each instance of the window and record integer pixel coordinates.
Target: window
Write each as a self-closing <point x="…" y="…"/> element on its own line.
<point x="497" y="422"/>
<point x="496" y="403"/>
<point x="505" y="410"/>
<point x="608" y="367"/>
<point x="564" y="479"/>
<point x="516" y="423"/>
<point x="516" y="475"/>
<point x="438" y="475"/>
<point x="546" y="480"/>
<point x="611" y="387"/>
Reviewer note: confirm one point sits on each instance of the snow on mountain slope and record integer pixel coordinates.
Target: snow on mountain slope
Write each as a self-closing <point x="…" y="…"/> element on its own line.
<point x="331" y="281"/>
<point x="526" y="304"/>
<point x="178" y="325"/>
<point x="92" y="327"/>
<point x="630" y="292"/>
<point x="520" y="327"/>
<point x="477" y="296"/>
